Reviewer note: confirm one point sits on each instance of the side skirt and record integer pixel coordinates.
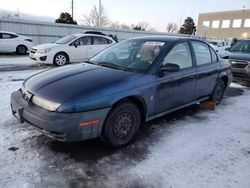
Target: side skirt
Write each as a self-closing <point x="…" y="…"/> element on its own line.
<point x="175" y="109"/>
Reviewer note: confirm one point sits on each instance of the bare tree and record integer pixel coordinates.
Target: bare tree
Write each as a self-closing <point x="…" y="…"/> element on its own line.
<point x="93" y="18"/>
<point x="142" y="26"/>
<point x="115" y="25"/>
<point x="171" y="27"/>
<point x="124" y="26"/>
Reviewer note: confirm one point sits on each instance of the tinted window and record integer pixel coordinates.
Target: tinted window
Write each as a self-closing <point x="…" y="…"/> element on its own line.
<point x="179" y="55"/>
<point x="246" y="47"/>
<point x="214" y="56"/>
<point x="99" y="40"/>
<point x="109" y="41"/>
<point x="241" y="46"/>
<point x="8" y="36"/>
<point x="202" y="52"/>
<point x="84" y="41"/>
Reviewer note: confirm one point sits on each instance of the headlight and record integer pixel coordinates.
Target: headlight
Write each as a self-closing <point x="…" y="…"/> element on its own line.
<point x="44" y="51"/>
<point x="46" y="104"/>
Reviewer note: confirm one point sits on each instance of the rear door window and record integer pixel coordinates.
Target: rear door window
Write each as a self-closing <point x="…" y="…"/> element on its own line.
<point x="202" y="52"/>
<point x="84" y="41"/>
<point x="100" y="41"/>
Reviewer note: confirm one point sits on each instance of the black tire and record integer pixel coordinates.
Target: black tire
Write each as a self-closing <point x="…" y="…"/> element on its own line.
<point x="121" y="124"/>
<point x="60" y="59"/>
<point x="218" y="92"/>
<point x="22" y="50"/>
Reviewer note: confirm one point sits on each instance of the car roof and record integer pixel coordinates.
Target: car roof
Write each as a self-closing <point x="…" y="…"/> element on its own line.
<point x="244" y="40"/>
<point x="81" y="35"/>
<point x="164" y="38"/>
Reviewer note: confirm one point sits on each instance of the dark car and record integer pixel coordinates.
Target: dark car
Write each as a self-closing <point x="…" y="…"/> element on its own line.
<point x="129" y="83"/>
<point x="239" y="57"/>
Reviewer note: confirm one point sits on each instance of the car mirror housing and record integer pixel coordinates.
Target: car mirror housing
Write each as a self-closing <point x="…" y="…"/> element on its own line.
<point x="170" y="67"/>
<point x="75" y="44"/>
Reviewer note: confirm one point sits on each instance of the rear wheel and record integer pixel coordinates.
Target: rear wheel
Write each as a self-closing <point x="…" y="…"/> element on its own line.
<point x="60" y="59"/>
<point x="121" y="124"/>
<point x="22" y="50"/>
<point x="218" y="92"/>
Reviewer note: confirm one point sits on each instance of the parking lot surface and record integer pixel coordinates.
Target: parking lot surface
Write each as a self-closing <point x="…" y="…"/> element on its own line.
<point x="187" y="148"/>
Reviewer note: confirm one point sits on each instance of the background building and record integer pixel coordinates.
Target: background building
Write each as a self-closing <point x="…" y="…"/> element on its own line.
<point x="224" y="25"/>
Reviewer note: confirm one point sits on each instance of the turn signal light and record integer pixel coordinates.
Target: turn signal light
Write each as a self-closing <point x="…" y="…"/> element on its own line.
<point x="86" y="123"/>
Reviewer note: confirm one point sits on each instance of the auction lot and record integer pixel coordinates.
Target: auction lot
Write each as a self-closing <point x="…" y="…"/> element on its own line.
<point x="187" y="148"/>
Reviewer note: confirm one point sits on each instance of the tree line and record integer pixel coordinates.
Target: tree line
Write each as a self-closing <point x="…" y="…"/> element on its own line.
<point x="97" y="20"/>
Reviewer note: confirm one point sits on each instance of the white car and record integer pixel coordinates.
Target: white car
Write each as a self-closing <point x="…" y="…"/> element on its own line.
<point x="12" y="42"/>
<point x="220" y="46"/>
<point x="72" y="48"/>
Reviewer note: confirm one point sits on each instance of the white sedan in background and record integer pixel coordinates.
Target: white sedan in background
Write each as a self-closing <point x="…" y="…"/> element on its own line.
<point x="11" y="42"/>
<point x="220" y="46"/>
<point x="72" y="48"/>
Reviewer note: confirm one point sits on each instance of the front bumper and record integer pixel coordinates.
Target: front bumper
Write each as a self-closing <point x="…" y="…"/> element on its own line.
<point x="59" y="126"/>
<point x="241" y="74"/>
<point x="41" y="58"/>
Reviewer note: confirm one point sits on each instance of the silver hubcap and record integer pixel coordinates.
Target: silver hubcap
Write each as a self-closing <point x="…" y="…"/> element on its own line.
<point x="60" y="60"/>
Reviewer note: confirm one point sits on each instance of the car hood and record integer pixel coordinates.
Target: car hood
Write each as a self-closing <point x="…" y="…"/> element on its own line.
<point x="239" y="56"/>
<point x="45" y="46"/>
<point x="81" y="81"/>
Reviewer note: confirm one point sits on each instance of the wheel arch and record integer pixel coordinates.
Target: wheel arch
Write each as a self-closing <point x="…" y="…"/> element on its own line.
<point x="63" y="53"/>
<point x="223" y="76"/>
<point x="21" y="45"/>
<point x="136" y="100"/>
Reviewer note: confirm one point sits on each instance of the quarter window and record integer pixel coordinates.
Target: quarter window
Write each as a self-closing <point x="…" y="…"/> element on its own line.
<point x="202" y="52"/>
<point x="179" y="55"/>
<point x="99" y="40"/>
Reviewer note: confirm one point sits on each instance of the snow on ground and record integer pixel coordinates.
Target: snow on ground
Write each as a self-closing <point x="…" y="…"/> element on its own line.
<point x="7" y="60"/>
<point x="197" y="149"/>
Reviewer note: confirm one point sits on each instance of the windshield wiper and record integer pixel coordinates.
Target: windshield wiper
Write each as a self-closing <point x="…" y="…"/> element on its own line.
<point x="89" y="62"/>
<point x="112" y="65"/>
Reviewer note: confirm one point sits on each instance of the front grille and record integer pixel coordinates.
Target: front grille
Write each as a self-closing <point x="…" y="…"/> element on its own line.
<point x="33" y="50"/>
<point x="239" y="64"/>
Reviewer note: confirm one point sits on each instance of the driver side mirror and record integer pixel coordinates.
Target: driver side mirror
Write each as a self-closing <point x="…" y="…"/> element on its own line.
<point x="227" y="49"/>
<point x="169" y="67"/>
<point x="75" y="44"/>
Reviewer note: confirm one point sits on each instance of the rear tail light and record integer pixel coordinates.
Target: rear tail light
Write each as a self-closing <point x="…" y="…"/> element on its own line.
<point x="29" y="40"/>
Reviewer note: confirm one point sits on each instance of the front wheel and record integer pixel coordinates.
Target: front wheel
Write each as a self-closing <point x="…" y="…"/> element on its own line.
<point x="218" y="92"/>
<point x="60" y="59"/>
<point x="121" y="124"/>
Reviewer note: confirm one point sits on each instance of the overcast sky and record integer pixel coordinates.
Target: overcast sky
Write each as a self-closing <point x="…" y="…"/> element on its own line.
<point x="156" y="12"/>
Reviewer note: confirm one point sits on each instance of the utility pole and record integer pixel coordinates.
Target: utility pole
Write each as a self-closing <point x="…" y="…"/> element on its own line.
<point x="100" y="12"/>
<point x="72" y="9"/>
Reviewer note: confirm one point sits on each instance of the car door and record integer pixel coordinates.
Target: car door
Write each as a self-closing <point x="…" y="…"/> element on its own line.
<point x="175" y="89"/>
<point x="7" y="42"/>
<point x="79" y="49"/>
<point x="98" y="44"/>
<point x="207" y="68"/>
